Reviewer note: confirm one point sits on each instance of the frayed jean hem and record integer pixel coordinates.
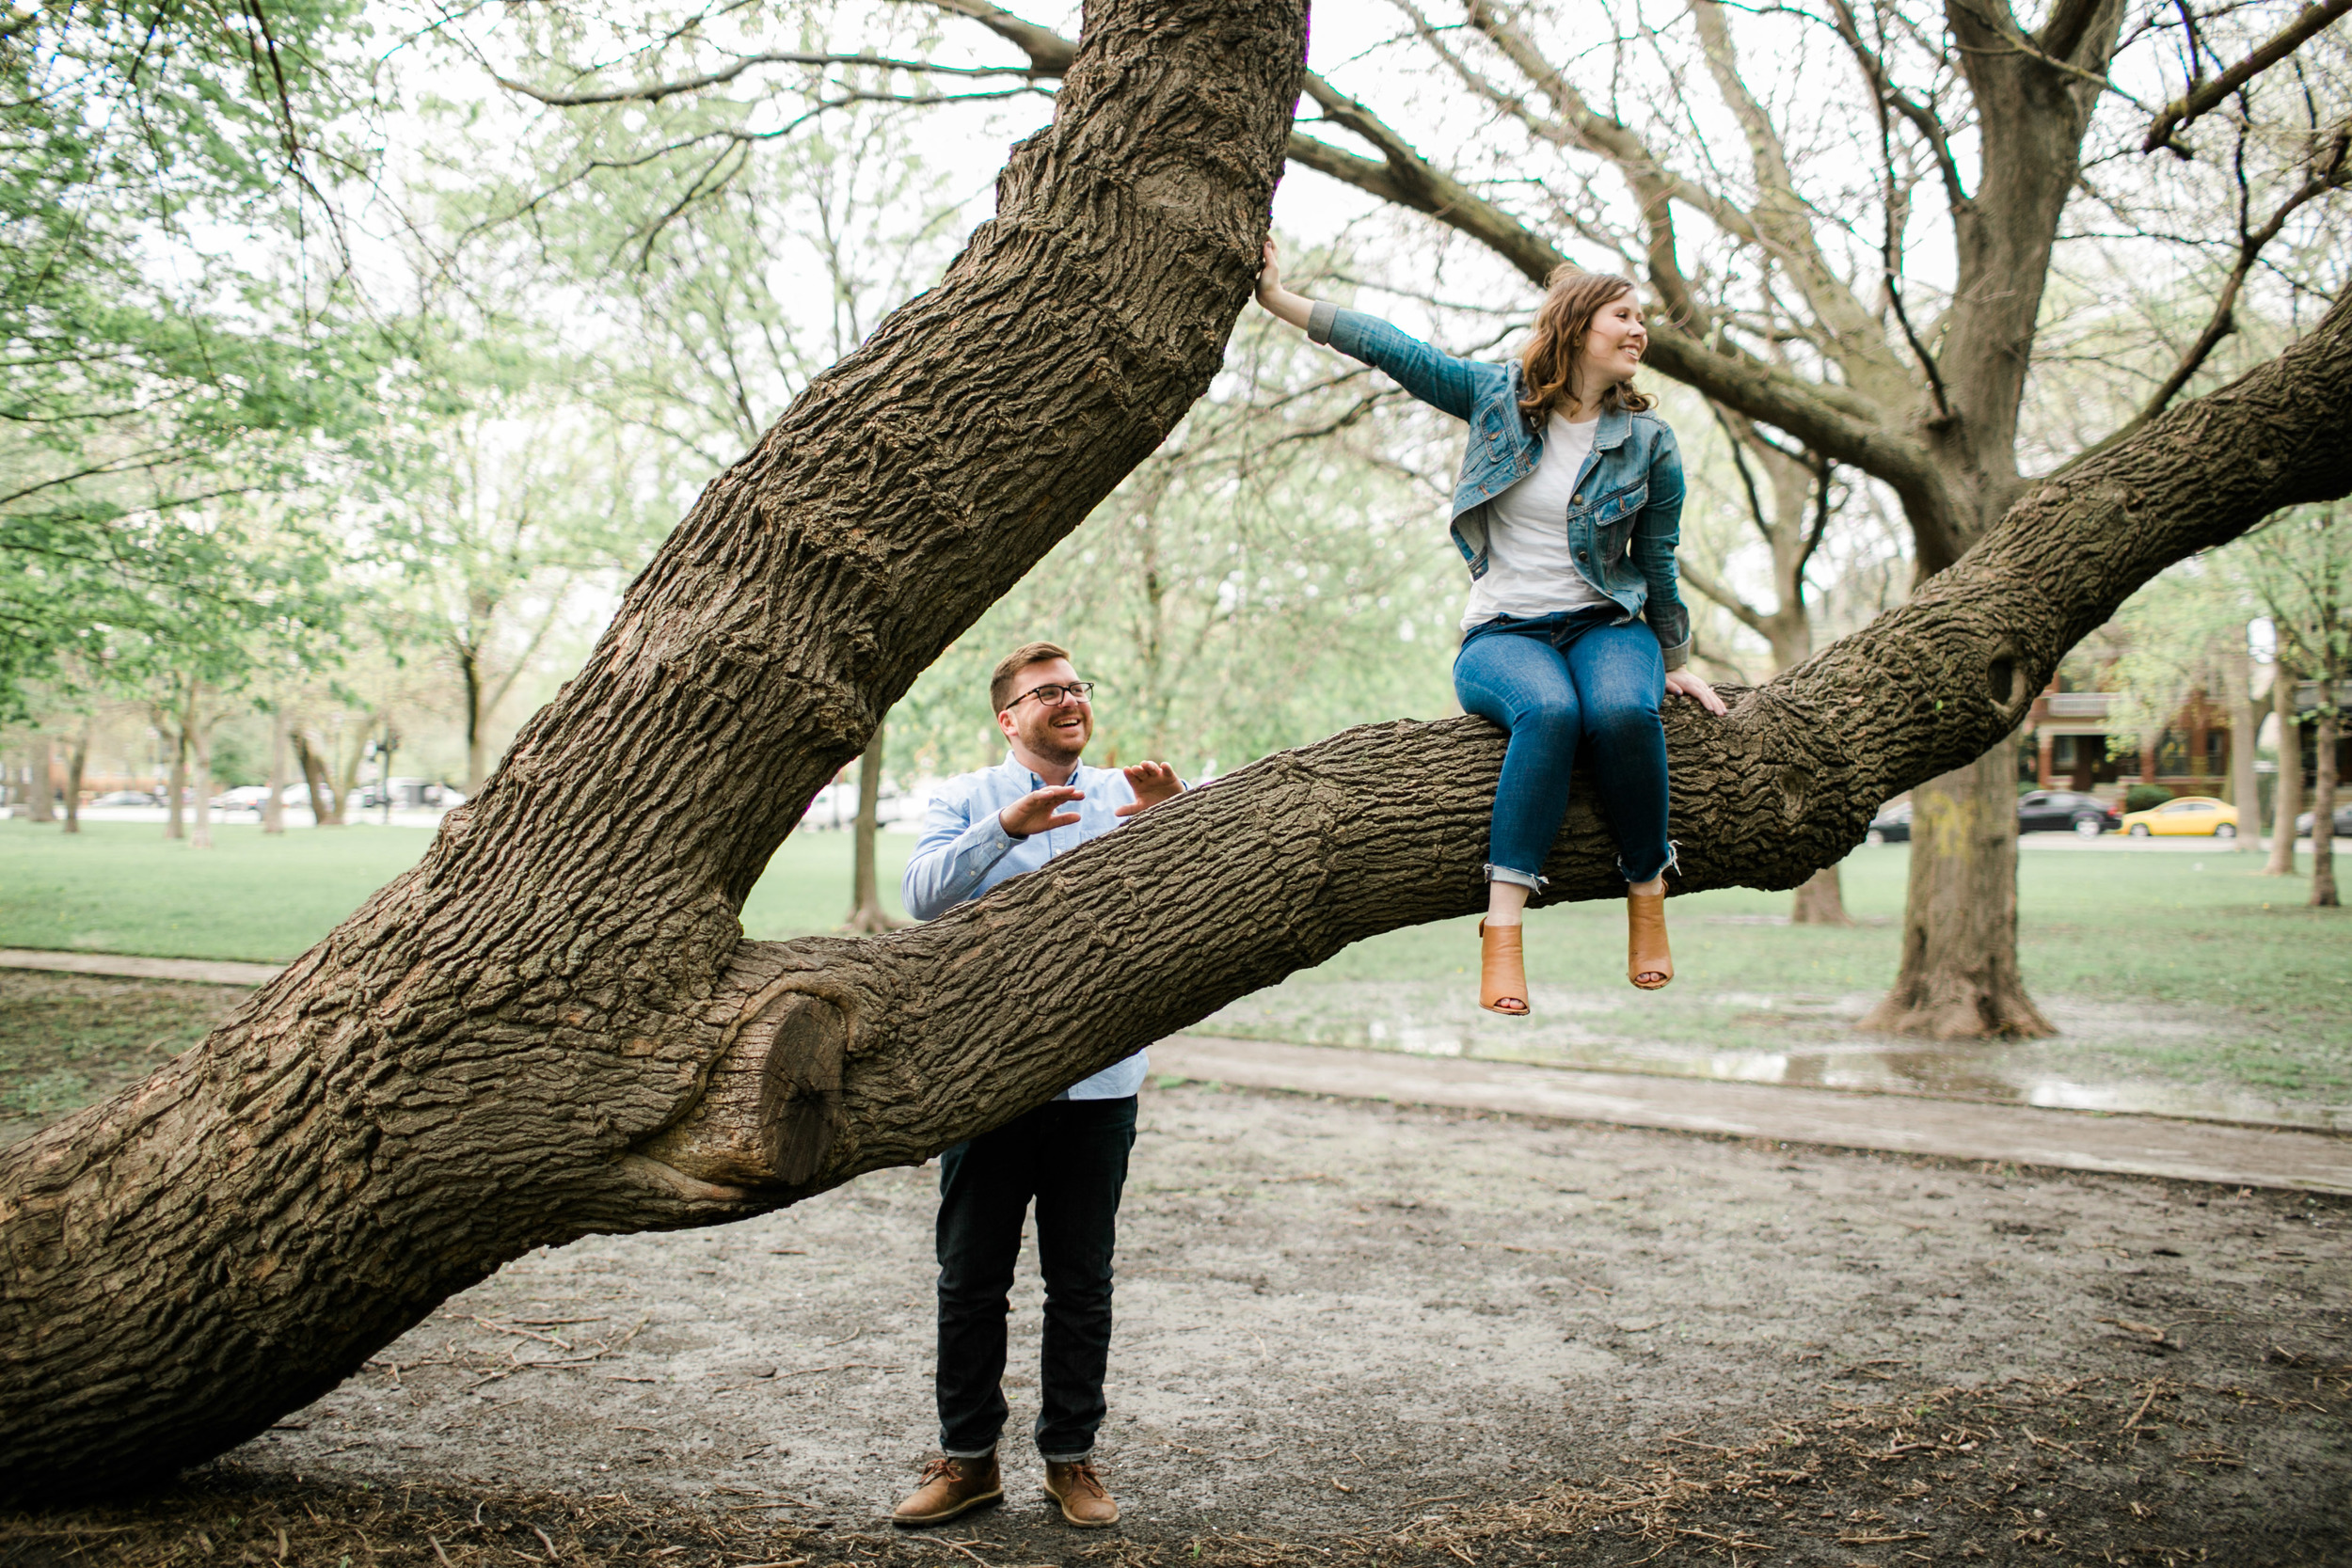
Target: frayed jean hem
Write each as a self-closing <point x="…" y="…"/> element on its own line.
<point x="1673" y="862"/>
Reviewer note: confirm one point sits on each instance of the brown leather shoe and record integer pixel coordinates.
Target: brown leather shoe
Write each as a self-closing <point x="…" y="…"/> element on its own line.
<point x="1079" y="1490"/>
<point x="1649" y="964"/>
<point x="1501" y="970"/>
<point x="950" y="1488"/>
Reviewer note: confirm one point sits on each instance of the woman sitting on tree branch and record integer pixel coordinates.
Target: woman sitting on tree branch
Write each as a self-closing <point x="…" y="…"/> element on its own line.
<point x="1567" y="509"/>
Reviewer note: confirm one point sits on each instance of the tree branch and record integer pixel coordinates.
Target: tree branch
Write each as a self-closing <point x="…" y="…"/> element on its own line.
<point x="2333" y="173"/>
<point x="2201" y="99"/>
<point x="654" y="92"/>
<point x="1739" y="609"/>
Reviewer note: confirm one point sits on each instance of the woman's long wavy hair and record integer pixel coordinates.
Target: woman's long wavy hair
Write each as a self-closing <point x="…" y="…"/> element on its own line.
<point x="1571" y="299"/>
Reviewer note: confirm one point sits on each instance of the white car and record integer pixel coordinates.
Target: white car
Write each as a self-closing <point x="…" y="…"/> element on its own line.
<point x="244" y="798"/>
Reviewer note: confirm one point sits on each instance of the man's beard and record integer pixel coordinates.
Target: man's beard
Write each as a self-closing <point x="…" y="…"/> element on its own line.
<point x="1059" y="746"/>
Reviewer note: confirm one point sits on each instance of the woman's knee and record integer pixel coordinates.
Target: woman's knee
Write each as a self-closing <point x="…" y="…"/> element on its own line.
<point x="1621" y="715"/>
<point x="1550" y="721"/>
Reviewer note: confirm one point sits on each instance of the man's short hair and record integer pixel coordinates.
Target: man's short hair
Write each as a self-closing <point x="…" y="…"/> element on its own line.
<point x="1000" y="691"/>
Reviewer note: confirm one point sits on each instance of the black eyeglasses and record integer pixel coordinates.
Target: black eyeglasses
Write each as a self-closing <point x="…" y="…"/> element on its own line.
<point x="1054" y="695"/>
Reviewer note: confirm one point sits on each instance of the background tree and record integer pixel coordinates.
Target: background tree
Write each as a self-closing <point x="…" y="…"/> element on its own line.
<point x="2183" y="639"/>
<point x="2301" y="565"/>
<point x="1263" y="580"/>
<point x="742" y="257"/>
<point x="149" y="372"/>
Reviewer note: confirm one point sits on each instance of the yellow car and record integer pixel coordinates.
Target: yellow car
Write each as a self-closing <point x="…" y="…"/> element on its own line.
<point x="2197" y="816"/>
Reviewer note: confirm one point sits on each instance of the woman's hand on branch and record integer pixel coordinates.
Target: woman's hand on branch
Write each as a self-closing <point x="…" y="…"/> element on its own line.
<point x="1686" y="683"/>
<point x="1278" y="300"/>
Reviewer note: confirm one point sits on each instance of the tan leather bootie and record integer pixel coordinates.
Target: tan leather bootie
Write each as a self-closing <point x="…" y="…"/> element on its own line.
<point x="950" y="1488"/>
<point x="1501" y="970"/>
<point x="1649" y="963"/>
<point x="1084" y="1501"/>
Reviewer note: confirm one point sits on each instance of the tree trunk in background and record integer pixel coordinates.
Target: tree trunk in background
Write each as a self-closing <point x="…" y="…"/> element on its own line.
<point x="2287" y="803"/>
<point x="42" y="755"/>
<point x="326" y="807"/>
<point x="470" y="672"/>
<point x="552" y="1024"/>
<point x="175" y="813"/>
<point x="77" y="761"/>
<point x="867" y="914"/>
<point x="198" y="741"/>
<point x="1959" y="979"/>
<point x="2237" y="682"/>
<point x="2324" y="799"/>
<point x="274" y="805"/>
<point x="1821" y="900"/>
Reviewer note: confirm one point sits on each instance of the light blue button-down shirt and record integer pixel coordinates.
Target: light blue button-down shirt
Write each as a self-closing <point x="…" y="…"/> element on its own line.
<point x="964" y="851"/>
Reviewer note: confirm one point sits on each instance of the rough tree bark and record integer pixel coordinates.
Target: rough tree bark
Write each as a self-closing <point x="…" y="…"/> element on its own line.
<point x="866" y="914"/>
<point x="2287" y="801"/>
<point x="481" y="1060"/>
<point x="552" y="1025"/>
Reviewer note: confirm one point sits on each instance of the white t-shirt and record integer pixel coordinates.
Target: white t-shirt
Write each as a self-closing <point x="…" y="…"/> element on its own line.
<point x="1529" y="569"/>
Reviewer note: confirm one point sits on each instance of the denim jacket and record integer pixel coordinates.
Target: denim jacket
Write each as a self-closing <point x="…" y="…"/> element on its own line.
<point x="1627" y="515"/>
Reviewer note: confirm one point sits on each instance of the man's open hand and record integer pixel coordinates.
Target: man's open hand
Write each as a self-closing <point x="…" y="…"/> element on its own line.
<point x="1152" y="783"/>
<point x="1040" y="810"/>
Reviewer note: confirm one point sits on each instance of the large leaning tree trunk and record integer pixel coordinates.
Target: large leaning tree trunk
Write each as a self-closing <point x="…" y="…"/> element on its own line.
<point x="553" y="1026"/>
<point x="499" y="1048"/>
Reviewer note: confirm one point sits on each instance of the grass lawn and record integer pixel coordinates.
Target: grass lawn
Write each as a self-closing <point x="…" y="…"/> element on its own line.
<point x="120" y="887"/>
<point x="2187" y="970"/>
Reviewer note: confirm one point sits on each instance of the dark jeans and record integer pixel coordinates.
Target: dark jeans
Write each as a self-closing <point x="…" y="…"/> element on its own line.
<point x="1553" y="681"/>
<point x="1070" y="1156"/>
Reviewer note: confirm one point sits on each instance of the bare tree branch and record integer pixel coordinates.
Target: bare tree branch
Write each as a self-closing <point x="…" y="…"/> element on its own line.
<point x="654" y="92"/>
<point x="2333" y="173"/>
<point x="2202" y="98"/>
<point x="1737" y="608"/>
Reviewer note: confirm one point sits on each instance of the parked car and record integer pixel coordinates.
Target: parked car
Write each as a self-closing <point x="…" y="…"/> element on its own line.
<point x="408" y="794"/>
<point x="2190" y="816"/>
<point x="2343" y="820"/>
<point x="128" y="798"/>
<point x="1892" y="825"/>
<point x="2062" y="811"/>
<point x="244" y="798"/>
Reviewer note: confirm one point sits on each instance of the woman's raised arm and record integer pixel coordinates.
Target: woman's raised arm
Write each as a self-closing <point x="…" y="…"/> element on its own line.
<point x="1278" y="300"/>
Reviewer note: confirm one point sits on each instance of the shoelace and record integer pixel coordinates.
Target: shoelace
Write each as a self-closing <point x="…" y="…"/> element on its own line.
<point x="934" y="1469"/>
<point x="1083" y="1473"/>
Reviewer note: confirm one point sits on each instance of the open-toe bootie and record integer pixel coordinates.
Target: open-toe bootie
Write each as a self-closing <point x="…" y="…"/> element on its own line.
<point x="1501" y="970"/>
<point x="1647" y="963"/>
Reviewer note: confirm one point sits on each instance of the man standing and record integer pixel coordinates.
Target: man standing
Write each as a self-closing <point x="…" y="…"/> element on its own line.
<point x="1069" y="1154"/>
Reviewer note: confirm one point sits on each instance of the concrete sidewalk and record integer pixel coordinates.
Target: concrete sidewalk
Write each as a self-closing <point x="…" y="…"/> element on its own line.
<point x="202" y="972"/>
<point x="1903" y="1124"/>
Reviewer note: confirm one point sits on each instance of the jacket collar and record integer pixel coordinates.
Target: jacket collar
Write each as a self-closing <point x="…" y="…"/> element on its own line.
<point x="1615" y="423"/>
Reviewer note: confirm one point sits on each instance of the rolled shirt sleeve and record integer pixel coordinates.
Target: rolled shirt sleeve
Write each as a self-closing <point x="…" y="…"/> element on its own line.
<point x="961" y="843"/>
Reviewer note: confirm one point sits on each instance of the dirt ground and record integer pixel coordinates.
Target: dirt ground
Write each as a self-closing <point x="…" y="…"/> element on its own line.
<point x="1356" y="1333"/>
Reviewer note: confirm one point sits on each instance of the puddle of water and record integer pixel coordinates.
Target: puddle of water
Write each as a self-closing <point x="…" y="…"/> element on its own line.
<point x="1804" y="1040"/>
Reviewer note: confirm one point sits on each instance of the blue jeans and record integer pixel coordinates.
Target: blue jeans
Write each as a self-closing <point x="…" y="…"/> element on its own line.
<point x="1554" y="680"/>
<point x="1070" y="1156"/>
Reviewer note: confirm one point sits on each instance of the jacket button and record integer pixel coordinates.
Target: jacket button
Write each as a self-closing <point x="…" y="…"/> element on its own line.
<point x="1575" y="500"/>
